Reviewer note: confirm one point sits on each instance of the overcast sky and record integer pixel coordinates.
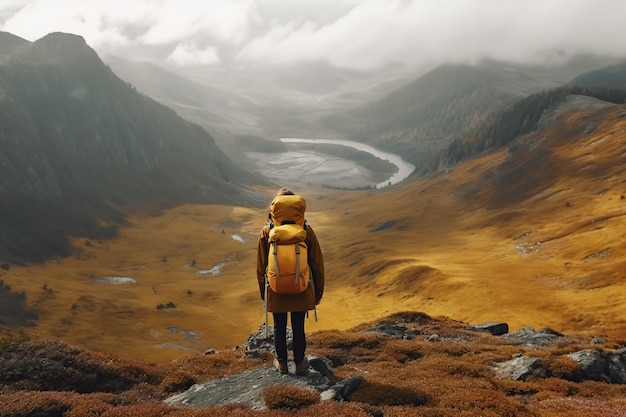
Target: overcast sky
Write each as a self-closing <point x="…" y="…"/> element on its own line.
<point x="346" y="33"/>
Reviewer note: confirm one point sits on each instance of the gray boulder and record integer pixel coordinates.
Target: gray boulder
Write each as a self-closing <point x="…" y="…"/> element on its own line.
<point x="247" y="387"/>
<point x="521" y="368"/>
<point x="496" y="329"/>
<point x="593" y="365"/>
<point x="529" y="337"/>
<point x="617" y="366"/>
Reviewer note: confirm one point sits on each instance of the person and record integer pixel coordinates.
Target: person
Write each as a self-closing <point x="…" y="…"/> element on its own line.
<point x="296" y="304"/>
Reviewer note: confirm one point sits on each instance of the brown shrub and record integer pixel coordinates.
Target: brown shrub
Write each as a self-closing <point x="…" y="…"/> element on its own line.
<point x="348" y="409"/>
<point x="289" y="397"/>
<point x="32" y="404"/>
<point x="53" y="365"/>
<point x="483" y="402"/>
<point x="563" y="367"/>
<point x="336" y="339"/>
<point x="455" y="367"/>
<point x="451" y="348"/>
<point x="13" y="339"/>
<point x="89" y="405"/>
<point x="401" y="351"/>
<point x="146" y="409"/>
<point x="512" y="387"/>
<point x="412" y="317"/>
<point x="375" y="393"/>
<point x="578" y="407"/>
<point x="218" y="365"/>
<point x="597" y="389"/>
<point x="177" y="381"/>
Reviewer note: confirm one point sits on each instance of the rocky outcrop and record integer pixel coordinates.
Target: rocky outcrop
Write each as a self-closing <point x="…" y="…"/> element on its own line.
<point x="592" y="365"/>
<point x="529" y="337"/>
<point x="603" y="366"/>
<point x="247" y="387"/>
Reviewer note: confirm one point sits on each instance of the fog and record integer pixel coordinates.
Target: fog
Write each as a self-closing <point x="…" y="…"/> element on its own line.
<point x="355" y="34"/>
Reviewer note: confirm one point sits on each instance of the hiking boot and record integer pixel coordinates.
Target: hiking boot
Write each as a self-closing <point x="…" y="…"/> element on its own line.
<point x="281" y="366"/>
<point x="302" y="367"/>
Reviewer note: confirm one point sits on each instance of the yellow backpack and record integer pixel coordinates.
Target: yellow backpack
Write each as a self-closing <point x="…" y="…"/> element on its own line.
<point x="288" y="267"/>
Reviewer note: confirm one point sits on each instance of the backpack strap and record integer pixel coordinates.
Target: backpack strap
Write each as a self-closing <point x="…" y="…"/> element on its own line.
<point x="275" y="253"/>
<point x="297" y="262"/>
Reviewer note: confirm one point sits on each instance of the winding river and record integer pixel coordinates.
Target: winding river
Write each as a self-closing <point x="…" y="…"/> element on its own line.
<point x="310" y="166"/>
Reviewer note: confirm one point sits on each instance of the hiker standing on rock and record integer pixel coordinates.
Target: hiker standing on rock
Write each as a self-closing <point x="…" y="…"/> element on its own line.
<point x="290" y="272"/>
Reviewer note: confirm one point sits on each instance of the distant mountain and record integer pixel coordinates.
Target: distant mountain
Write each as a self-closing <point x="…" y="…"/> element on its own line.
<point x="79" y="146"/>
<point x="219" y="110"/>
<point x="613" y="76"/>
<point x="9" y="44"/>
<point x="424" y="116"/>
<point x="267" y="101"/>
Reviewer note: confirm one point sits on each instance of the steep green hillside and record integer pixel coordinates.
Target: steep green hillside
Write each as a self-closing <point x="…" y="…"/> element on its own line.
<point x="80" y="146"/>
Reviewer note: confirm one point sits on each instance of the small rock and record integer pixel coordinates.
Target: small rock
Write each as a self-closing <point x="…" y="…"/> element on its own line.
<point x="496" y="329"/>
<point x="342" y="389"/>
<point x="433" y="338"/>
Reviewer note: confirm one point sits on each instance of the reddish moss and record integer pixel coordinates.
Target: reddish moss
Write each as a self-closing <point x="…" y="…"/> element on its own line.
<point x="453" y="377"/>
<point x="375" y="393"/>
<point x="289" y="397"/>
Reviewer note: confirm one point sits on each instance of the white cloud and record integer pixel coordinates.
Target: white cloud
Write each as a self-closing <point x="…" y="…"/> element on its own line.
<point x="186" y="54"/>
<point x="350" y="33"/>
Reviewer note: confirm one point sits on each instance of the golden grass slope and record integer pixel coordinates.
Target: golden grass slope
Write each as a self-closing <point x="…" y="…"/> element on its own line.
<point x="531" y="237"/>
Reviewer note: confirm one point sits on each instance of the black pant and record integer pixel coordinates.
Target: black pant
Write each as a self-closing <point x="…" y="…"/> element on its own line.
<point x="280" y="335"/>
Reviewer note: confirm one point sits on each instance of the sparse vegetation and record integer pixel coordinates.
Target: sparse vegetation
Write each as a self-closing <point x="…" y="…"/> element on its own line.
<point x="402" y="378"/>
<point x="288" y="397"/>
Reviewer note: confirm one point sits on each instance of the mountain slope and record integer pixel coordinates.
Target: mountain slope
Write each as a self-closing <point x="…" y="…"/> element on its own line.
<point x="79" y="144"/>
<point x="613" y="76"/>
<point x="218" y="110"/>
<point x="523" y="117"/>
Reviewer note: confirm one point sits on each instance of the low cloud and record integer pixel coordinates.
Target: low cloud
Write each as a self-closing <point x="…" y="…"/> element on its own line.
<point x="346" y="33"/>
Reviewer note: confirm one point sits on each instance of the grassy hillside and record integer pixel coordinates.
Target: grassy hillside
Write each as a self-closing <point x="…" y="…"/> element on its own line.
<point x="530" y="235"/>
